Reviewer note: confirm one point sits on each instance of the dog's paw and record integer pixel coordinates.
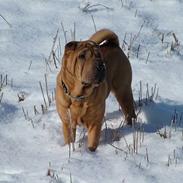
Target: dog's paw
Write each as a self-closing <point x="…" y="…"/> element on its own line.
<point x="92" y="149"/>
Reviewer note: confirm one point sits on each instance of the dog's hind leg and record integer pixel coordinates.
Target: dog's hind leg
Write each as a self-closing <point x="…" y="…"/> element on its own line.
<point x="125" y="99"/>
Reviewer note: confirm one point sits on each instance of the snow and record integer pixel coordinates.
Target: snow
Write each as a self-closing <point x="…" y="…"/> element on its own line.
<point x="32" y="147"/>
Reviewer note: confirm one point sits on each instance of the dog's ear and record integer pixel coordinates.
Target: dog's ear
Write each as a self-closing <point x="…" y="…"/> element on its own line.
<point x="71" y="46"/>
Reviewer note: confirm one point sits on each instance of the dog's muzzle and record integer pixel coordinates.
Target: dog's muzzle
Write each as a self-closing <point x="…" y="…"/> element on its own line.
<point x="66" y="91"/>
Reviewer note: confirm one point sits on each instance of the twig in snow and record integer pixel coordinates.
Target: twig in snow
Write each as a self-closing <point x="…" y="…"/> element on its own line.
<point x="25" y="115"/>
<point x="70" y="177"/>
<point x="46" y="84"/>
<point x="71" y="140"/>
<point x="43" y="109"/>
<point x="30" y="65"/>
<point x="134" y="38"/>
<point x="136" y="13"/>
<point x="72" y="135"/>
<point x="5" y="20"/>
<point x="35" y="110"/>
<point x="65" y="35"/>
<point x="121" y="3"/>
<point x="94" y="23"/>
<point x="148" y="57"/>
<point x="162" y="38"/>
<point x="53" y="46"/>
<point x="1" y="97"/>
<point x="118" y="148"/>
<point x="124" y="42"/>
<point x="60" y="48"/>
<point x="73" y="33"/>
<point x="147" y="156"/>
<point x="54" y="59"/>
<point x="138" y="49"/>
<point x="43" y="95"/>
<point x="176" y="40"/>
<point x="47" y="65"/>
<point x="87" y="7"/>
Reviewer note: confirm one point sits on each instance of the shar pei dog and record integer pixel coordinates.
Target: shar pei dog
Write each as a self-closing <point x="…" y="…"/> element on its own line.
<point x="90" y="70"/>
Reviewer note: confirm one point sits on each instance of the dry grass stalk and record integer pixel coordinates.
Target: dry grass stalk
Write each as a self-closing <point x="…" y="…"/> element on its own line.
<point x="147" y="93"/>
<point x="47" y="93"/>
<point x="53" y="45"/>
<point x="6" y="80"/>
<point x="25" y="115"/>
<point x="73" y="33"/>
<point x="30" y="65"/>
<point x="147" y="57"/>
<point x="35" y="110"/>
<point x="47" y="65"/>
<point x="134" y="38"/>
<point x="117" y="148"/>
<point x="71" y="134"/>
<point x="127" y="145"/>
<point x="54" y="59"/>
<point x="138" y="49"/>
<point x="1" y="97"/>
<point x="175" y="38"/>
<point x="122" y="3"/>
<point x="162" y="38"/>
<point x="88" y="7"/>
<point x="43" y="95"/>
<point x="6" y="21"/>
<point x="64" y="32"/>
<point x="32" y="123"/>
<point x="3" y="81"/>
<point x="124" y="42"/>
<point x="81" y="137"/>
<point x="43" y="109"/>
<point x="70" y="177"/>
<point x="52" y="96"/>
<point x="60" y="48"/>
<point x="147" y="156"/>
<point x="136" y="12"/>
<point x="93" y="20"/>
<point x="140" y="94"/>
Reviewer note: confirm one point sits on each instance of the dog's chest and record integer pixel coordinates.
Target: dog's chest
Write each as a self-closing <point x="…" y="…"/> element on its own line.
<point x="78" y="110"/>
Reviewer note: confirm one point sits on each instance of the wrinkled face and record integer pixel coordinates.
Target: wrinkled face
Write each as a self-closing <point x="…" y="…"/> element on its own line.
<point x="82" y="67"/>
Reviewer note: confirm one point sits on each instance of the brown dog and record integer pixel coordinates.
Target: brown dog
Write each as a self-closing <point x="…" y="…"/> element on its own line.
<point x="90" y="70"/>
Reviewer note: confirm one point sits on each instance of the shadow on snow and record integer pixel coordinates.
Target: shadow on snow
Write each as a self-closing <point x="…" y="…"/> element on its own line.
<point x="153" y="116"/>
<point x="6" y="112"/>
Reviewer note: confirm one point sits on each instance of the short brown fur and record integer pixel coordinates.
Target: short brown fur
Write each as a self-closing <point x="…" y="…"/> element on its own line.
<point x="90" y="111"/>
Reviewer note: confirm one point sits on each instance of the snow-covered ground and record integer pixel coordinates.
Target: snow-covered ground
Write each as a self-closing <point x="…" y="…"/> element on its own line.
<point x="31" y="146"/>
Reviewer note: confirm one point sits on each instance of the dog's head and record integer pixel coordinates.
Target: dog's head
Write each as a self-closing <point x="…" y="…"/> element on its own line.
<point x="82" y="67"/>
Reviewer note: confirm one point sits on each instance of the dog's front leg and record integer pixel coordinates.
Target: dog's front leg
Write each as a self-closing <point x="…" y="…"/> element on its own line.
<point x="69" y="133"/>
<point x="68" y="127"/>
<point x="94" y="131"/>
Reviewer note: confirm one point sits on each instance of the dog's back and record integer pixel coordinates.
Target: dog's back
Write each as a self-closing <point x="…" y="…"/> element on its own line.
<point x="119" y="73"/>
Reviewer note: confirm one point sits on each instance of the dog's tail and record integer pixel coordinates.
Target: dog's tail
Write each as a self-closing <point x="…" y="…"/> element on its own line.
<point x="105" y="35"/>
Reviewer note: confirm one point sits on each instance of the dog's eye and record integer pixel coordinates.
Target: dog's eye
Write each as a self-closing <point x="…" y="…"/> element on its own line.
<point x="82" y="56"/>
